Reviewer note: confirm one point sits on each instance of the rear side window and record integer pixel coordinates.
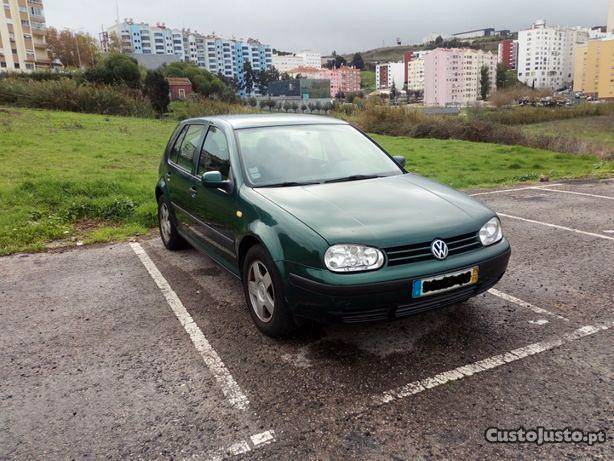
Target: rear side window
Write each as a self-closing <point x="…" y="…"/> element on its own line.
<point x="214" y="155"/>
<point x="177" y="146"/>
<point x="186" y="145"/>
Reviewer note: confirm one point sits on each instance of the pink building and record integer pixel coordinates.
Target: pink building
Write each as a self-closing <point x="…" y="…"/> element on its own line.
<point x="343" y="80"/>
<point x="452" y="76"/>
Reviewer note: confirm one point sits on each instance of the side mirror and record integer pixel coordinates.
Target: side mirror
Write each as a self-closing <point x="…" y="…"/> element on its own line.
<point x="213" y="179"/>
<point x="400" y="160"/>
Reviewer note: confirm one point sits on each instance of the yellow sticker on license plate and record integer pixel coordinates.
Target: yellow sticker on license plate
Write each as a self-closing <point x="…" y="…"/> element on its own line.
<point x="444" y="282"/>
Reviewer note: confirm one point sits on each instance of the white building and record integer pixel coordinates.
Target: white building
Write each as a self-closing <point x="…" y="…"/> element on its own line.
<point x="546" y="54"/>
<point x="415" y="74"/>
<point x="287" y="62"/>
<point x="610" y="26"/>
<point x="387" y="73"/>
<point x="141" y="38"/>
<point x="311" y="58"/>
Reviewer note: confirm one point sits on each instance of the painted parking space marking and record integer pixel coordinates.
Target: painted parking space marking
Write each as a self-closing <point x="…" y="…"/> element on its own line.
<point x="241" y="447"/>
<point x="538" y="322"/>
<point x="501" y="191"/>
<point x="575" y="193"/>
<point x="229" y="386"/>
<point x="556" y="226"/>
<point x="489" y="363"/>
<point x="525" y="304"/>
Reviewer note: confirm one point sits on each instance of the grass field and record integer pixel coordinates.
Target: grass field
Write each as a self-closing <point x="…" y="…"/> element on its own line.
<point x="598" y="130"/>
<point x="367" y="81"/>
<point x="69" y="178"/>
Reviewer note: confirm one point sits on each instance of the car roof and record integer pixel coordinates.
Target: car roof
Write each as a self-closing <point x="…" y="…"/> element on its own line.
<point x="240" y="121"/>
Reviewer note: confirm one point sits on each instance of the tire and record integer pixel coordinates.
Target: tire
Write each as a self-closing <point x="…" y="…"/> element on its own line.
<point x="264" y="294"/>
<point x="168" y="229"/>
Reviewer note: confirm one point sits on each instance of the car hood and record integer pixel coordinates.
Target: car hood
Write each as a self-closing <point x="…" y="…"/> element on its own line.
<point x="383" y="212"/>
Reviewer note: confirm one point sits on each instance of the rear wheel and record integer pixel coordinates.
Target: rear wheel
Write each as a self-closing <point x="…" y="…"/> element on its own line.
<point x="168" y="230"/>
<point x="264" y="294"/>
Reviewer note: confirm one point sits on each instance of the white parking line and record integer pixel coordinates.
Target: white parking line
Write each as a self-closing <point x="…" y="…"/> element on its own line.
<point x="575" y="193"/>
<point x="520" y="302"/>
<point x="556" y="226"/>
<point x="513" y="190"/>
<point x="487" y="364"/>
<point x="238" y="448"/>
<point x="229" y="386"/>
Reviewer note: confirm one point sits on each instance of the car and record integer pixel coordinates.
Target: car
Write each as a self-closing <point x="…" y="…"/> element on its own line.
<point x="320" y="223"/>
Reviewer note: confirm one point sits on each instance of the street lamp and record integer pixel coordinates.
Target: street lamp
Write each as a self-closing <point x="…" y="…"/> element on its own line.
<point x="74" y="34"/>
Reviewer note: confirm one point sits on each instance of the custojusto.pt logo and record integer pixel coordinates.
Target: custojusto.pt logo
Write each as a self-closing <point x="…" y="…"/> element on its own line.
<point x="541" y="435"/>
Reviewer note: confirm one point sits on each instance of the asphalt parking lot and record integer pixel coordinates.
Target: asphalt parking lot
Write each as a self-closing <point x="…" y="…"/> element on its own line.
<point x="128" y="350"/>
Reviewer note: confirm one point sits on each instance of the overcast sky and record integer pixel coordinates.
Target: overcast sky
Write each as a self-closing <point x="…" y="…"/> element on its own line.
<point x="326" y="25"/>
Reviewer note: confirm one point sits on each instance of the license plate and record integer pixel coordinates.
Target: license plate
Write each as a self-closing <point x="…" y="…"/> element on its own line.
<point x="444" y="282"/>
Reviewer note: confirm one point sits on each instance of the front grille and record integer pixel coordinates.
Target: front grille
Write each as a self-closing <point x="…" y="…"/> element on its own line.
<point x="422" y="251"/>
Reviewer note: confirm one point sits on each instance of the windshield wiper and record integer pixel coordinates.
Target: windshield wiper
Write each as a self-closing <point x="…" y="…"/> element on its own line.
<point x="291" y="184"/>
<point x="355" y="177"/>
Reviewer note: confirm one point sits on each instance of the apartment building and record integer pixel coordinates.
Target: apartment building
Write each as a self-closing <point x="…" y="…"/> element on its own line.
<point x="452" y="76"/>
<point x="388" y="73"/>
<point x="508" y="53"/>
<point x="287" y="62"/>
<point x="342" y="80"/>
<point x="610" y="26"/>
<point x="23" y="43"/>
<point x="594" y="68"/>
<point x="546" y="54"/>
<point x="219" y="55"/>
<point x="415" y="75"/>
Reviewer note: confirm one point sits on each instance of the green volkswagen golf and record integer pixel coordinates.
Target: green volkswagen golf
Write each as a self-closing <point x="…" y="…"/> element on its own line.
<point x="320" y="223"/>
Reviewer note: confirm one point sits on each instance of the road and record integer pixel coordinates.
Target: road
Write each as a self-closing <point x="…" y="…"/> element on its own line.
<point x="129" y="350"/>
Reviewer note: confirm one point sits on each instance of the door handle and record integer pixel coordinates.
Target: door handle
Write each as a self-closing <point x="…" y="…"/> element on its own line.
<point x="193" y="191"/>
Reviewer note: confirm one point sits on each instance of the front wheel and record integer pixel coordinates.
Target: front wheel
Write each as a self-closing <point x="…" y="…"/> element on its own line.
<point x="264" y="294"/>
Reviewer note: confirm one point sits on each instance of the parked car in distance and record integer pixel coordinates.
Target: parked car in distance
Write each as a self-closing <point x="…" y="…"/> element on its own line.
<point x="320" y="223"/>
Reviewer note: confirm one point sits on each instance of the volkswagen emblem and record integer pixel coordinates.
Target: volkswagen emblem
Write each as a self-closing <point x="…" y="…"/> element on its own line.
<point x="439" y="249"/>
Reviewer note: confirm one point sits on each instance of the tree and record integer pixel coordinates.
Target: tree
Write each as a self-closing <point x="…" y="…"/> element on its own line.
<point x="115" y="43"/>
<point x="506" y="77"/>
<point x="156" y="89"/>
<point x="73" y="49"/>
<point x="203" y="81"/>
<point x="336" y="61"/>
<point x="248" y="78"/>
<point x="264" y="77"/>
<point x="439" y="41"/>
<point x="252" y="102"/>
<point x="116" y="69"/>
<point x="357" y="61"/>
<point x="393" y="92"/>
<point x="484" y="82"/>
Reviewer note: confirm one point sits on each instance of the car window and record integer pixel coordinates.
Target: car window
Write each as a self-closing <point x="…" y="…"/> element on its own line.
<point x="214" y="155"/>
<point x="189" y="143"/>
<point x="177" y="146"/>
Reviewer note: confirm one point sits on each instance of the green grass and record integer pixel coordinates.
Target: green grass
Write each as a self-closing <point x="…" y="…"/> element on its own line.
<point x="463" y="164"/>
<point x="71" y="177"/>
<point x="367" y="81"/>
<point x="598" y="130"/>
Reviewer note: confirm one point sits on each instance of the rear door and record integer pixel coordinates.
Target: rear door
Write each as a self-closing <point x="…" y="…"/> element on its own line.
<point x="180" y="176"/>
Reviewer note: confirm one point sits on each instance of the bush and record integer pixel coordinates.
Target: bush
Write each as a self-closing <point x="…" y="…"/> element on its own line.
<point x="526" y="115"/>
<point x="197" y="106"/>
<point x="116" y="69"/>
<point x="68" y="95"/>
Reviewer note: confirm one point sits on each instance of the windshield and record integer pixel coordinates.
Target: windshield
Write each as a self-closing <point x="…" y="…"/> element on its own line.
<point x="307" y="154"/>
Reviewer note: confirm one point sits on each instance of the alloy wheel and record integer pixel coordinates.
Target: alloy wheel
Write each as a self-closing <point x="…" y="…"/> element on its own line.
<point x="165" y="222"/>
<point x="261" y="291"/>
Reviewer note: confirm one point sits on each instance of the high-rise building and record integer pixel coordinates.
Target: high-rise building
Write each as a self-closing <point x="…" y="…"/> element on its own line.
<point x="222" y="56"/>
<point x="285" y="62"/>
<point x="594" y="68"/>
<point x="388" y="73"/>
<point x="415" y="74"/>
<point x="452" y="76"/>
<point x="508" y="53"/>
<point x="342" y="80"/>
<point x="546" y="54"/>
<point x="23" y="36"/>
<point x="610" y="26"/>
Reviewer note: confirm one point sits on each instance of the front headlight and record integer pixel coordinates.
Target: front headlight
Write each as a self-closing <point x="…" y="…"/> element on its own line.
<point x="491" y="232"/>
<point x="353" y="258"/>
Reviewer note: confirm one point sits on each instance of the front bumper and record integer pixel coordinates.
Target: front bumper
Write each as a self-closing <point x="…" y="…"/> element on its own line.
<point x="385" y="300"/>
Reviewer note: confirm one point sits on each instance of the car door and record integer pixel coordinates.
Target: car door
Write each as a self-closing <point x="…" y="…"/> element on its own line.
<point x="215" y="208"/>
<point x="180" y="176"/>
